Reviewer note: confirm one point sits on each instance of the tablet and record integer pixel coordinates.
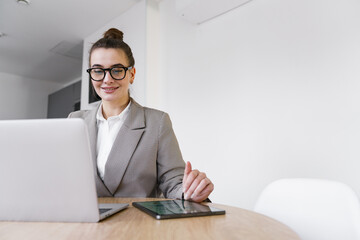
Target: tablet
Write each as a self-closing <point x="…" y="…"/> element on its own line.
<point x="176" y="209"/>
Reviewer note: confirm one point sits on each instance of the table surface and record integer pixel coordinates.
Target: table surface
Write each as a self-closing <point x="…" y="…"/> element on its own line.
<point x="132" y="223"/>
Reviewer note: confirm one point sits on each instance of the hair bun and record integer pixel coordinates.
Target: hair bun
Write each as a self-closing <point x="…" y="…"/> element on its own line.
<point x="114" y="33"/>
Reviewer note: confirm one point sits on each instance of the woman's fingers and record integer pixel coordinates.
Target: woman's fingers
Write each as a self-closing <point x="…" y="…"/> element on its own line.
<point x="192" y="182"/>
<point x="187" y="170"/>
<point x="189" y="180"/>
<point x="196" y="186"/>
<point x="204" y="194"/>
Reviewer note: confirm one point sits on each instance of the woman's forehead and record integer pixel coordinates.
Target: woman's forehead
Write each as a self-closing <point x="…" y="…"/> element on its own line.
<point x="108" y="56"/>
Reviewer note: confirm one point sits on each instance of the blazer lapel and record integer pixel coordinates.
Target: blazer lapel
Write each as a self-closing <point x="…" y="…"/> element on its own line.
<point x="124" y="146"/>
<point x="92" y="128"/>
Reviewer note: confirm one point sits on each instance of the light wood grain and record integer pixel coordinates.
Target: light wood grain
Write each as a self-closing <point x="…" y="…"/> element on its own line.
<point x="134" y="224"/>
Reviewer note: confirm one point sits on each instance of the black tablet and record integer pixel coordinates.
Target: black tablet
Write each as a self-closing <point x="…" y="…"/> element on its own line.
<point x="176" y="209"/>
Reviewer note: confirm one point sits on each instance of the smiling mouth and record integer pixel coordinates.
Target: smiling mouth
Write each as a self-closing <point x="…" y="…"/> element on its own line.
<point x="109" y="89"/>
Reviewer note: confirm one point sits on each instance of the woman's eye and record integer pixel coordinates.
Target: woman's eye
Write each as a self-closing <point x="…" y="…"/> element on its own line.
<point x="97" y="71"/>
<point x="117" y="70"/>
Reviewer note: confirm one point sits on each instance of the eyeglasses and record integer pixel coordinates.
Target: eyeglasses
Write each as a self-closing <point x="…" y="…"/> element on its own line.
<point x="117" y="73"/>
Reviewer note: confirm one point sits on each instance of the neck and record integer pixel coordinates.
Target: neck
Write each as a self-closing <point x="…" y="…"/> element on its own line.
<point x="110" y="109"/>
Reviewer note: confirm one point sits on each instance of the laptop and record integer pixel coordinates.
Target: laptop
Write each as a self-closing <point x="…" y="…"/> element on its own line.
<point x="47" y="174"/>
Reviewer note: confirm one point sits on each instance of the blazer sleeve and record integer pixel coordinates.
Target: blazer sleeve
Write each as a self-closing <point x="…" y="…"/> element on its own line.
<point x="170" y="164"/>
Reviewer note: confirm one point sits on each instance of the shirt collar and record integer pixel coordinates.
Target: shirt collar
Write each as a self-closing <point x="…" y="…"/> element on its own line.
<point x="121" y="116"/>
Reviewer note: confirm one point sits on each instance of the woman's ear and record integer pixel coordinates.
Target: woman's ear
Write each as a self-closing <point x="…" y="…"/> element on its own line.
<point x="132" y="72"/>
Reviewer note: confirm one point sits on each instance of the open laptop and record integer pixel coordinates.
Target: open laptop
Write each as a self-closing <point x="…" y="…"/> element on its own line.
<point x="46" y="172"/>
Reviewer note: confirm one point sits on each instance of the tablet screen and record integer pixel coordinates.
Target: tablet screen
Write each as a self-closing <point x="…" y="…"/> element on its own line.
<point x="176" y="208"/>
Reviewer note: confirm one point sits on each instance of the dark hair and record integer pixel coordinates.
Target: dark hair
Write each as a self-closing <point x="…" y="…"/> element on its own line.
<point x="113" y="38"/>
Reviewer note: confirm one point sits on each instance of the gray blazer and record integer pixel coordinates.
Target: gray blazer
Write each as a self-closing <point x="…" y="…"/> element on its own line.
<point x="145" y="160"/>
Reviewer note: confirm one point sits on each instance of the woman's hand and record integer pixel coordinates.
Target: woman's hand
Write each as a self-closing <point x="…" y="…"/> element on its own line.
<point x="196" y="186"/>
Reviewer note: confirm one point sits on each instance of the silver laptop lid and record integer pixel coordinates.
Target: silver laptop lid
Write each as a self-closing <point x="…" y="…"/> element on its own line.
<point x="46" y="171"/>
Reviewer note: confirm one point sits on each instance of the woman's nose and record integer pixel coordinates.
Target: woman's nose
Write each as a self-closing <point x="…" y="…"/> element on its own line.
<point x="108" y="78"/>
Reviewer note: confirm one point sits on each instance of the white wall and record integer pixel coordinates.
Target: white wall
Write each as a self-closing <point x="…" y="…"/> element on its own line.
<point x="133" y="24"/>
<point x="268" y="90"/>
<point x="22" y="98"/>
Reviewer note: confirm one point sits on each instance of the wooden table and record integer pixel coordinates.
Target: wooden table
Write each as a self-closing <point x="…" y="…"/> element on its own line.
<point x="131" y="223"/>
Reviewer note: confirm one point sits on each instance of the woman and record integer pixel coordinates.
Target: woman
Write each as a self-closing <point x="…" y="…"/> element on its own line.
<point x="135" y="148"/>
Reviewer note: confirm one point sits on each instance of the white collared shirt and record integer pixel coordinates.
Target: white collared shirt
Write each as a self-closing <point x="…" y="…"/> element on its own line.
<point x="108" y="130"/>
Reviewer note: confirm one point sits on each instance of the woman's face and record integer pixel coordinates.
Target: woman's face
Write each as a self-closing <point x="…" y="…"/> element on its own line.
<point x="109" y="89"/>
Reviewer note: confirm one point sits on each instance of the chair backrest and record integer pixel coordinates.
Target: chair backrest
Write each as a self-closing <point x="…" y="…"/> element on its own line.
<point x="315" y="209"/>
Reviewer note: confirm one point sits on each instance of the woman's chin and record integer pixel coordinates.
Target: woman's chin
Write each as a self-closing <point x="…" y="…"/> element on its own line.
<point x="112" y="97"/>
<point x="108" y="98"/>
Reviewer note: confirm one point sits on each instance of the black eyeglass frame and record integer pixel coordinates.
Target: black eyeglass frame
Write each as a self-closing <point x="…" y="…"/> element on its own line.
<point x="109" y="70"/>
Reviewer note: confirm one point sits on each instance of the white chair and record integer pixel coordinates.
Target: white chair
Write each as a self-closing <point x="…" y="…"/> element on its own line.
<point x="315" y="209"/>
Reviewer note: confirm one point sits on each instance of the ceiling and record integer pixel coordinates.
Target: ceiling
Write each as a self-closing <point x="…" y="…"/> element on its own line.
<point x="43" y="40"/>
